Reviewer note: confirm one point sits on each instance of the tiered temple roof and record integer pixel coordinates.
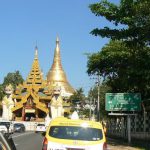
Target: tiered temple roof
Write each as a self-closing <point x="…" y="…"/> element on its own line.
<point x="33" y="93"/>
<point x="35" y="76"/>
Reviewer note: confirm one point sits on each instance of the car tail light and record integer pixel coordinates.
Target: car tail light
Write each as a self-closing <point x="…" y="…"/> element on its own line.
<point x="105" y="146"/>
<point x="45" y="142"/>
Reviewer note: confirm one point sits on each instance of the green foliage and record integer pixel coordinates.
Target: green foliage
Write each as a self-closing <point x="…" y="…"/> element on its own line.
<point x="93" y="94"/>
<point x="1" y="92"/>
<point x="14" y="78"/>
<point x="124" y="62"/>
<point x="78" y="96"/>
<point x="113" y="56"/>
<point x="133" y="15"/>
<point x="84" y="113"/>
<point x="123" y="69"/>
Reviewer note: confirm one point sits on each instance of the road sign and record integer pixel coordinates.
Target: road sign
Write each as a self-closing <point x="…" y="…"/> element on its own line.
<point x="123" y="102"/>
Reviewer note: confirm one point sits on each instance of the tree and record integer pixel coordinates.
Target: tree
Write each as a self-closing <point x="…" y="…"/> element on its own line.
<point x="1" y="92"/>
<point x="14" y="78"/>
<point x="131" y="19"/>
<point x="78" y="99"/>
<point x="93" y="95"/>
<point x="121" y="69"/>
<point x="111" y="63"/>
<point x="124" y="62"/>
<point x="78" y="96"/>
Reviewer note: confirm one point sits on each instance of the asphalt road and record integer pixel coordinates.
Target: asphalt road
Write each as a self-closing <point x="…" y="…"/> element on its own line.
<point x="28" y="141"/>
<point x="33" y="141"/>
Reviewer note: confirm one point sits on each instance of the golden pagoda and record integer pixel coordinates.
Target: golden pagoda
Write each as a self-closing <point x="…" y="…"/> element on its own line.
<point x="33" y="96"/>
<point x="56" y="75"/>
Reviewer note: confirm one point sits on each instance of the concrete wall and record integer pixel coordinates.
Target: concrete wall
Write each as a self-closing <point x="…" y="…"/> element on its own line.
<point x="140" y="126"/>
<point x="141" y="135"/>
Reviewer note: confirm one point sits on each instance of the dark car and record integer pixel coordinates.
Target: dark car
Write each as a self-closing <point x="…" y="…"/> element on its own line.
<point x="19" y="127"/>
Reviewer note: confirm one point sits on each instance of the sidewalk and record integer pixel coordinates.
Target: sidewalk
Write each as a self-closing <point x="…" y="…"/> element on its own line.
<point x="116" y="144"/>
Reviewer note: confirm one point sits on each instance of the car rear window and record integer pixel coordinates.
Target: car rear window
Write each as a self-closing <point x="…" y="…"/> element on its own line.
<point x="40" y="125"/>
<point x="76" y="133"/>
<point x="18" y="125"/>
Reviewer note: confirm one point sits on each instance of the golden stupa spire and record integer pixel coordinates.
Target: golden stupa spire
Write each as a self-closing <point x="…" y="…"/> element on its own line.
<point x="35" y="76"/>
<point x="56" y="75"/>
<point x="36" y="53"/>
<point x="57" y="58"/>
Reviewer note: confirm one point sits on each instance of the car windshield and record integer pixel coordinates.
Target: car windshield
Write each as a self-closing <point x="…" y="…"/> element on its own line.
<point x="5" y="123"/>
<point x="76" y="133"/>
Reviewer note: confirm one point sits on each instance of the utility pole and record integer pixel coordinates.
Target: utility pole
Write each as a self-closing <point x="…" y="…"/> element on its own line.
<point x="90" y="109"/>
<point x="98" y="98"/>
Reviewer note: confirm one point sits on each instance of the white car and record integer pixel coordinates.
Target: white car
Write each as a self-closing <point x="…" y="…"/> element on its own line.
<point x="3" y="129"/>
<point x="40" y="128"/>
<point x="5" y="125"/>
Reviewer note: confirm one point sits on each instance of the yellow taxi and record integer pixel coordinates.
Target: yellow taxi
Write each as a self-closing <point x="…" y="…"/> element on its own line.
<point x="69" y="134"/>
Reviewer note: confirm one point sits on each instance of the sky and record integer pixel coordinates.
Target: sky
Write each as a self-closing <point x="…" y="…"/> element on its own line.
<point x="25" y="23"/>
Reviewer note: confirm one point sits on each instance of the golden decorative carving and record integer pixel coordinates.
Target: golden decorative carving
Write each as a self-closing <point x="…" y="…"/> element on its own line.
<point x="31" y="92"/>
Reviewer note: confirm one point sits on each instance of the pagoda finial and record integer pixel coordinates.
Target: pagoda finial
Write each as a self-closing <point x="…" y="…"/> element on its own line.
<point x="57" y="58"/>
<point x="36" y="52"/>
<point x="57" y="40"/>
<point x="57" y="45"/>
<point x="35" y="76"/>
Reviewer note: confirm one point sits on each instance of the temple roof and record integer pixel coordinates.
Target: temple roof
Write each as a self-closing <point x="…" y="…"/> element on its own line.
<point x="35" y="76"/>
<point x="33" y="86"/>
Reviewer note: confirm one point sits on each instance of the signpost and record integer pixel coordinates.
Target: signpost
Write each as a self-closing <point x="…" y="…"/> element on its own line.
<point x="124" y="103"/>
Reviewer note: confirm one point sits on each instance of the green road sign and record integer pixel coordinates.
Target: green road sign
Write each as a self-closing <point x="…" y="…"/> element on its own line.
<point x="123" y="102"/>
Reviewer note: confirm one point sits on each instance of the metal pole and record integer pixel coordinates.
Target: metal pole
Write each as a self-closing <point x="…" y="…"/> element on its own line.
<point x="94" y="110"/>
<point x="129" y="129"/>
<point x="90" y="110"/>
<point x="98" y="100"/>
<point x="144" y="116"/>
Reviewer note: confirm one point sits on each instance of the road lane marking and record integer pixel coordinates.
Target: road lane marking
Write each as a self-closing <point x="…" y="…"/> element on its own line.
<point x="22" y="134"/>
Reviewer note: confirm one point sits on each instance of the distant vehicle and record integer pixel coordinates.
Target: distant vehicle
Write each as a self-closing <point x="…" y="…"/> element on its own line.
<point x="3" y="129"/>
<point x="19" y="127"/>
<point x="40" y="128"/>
<point x="74" y="134"/>
<point x="6" y="126"/>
